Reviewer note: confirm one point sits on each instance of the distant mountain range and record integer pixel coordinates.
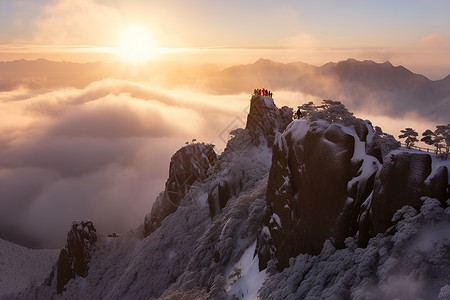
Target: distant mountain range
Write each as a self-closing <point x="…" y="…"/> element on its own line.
<point x="362" y="85"/>
<point x="358" y="84"/>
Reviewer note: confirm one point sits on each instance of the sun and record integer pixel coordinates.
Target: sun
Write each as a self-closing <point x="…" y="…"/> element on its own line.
<point x="136" y="45"/>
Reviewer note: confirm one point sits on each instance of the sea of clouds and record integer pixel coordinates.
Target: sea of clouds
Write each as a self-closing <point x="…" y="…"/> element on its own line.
<point x="101" y="152"/>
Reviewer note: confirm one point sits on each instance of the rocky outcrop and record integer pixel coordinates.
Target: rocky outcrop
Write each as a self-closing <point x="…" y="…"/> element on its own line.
<point x="403" y="180"/>
<point x="264" y="122"/>
<point x="187" y="165"/>
<point x="74" y="258"/>
<point x="310" y="196"/>
<point x="380" y="144"/>
<point x="265" y="119"/>
<point x="331" y="181"/>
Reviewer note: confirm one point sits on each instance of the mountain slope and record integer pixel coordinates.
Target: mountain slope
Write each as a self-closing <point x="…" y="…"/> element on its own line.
<point x="21" y="267"/>
<point x="242" y="228"/>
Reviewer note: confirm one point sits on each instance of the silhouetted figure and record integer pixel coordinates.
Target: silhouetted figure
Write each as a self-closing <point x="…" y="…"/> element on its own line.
<point x="299" y="114"/>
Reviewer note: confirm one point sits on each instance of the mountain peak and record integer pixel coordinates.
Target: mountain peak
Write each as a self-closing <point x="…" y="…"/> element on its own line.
<point x="263" y="61"/>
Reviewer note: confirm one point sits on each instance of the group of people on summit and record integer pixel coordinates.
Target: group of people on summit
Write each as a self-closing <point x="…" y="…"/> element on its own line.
<point x="267" y="93"/>
<point x="263" y="92"/>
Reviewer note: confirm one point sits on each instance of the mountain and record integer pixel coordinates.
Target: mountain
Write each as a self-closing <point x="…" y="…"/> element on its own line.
<point x="326" y="207"/>
<point x="21" y="267"/>
<point x="45" y="74"/>
<point x="360" y="85"/>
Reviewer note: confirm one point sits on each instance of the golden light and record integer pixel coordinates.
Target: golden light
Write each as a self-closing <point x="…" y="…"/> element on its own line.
<point x="136" y="45"/>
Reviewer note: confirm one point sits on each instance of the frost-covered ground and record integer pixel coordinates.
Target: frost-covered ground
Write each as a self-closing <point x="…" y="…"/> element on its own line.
<point x="412" y="263"/>
<point x="21" y="267"/>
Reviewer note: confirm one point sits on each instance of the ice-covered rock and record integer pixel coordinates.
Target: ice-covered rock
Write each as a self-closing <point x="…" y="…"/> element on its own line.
<point x="187" y="165"/>
<point x="74" y="258"/>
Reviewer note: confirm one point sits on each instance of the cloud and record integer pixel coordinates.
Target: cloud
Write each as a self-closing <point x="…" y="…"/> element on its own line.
<point x="300" y="41"/>
<point x="101" y="152"/>
<point x="435" y="41"/>
<point x="77" y="22"/>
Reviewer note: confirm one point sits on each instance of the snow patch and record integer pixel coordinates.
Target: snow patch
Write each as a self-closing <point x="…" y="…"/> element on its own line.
<point x="251" y="279"/>
<point x="171" y="255"/>
<point x="202" y="200"/>
<point x="298" y="129"/>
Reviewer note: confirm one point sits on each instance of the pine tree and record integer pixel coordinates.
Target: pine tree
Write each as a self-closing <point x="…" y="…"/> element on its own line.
<point x="410" y="136"/>
<point x="440" y="138"/>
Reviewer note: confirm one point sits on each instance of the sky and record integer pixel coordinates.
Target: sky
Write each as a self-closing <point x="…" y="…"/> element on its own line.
<point x="413" y="33"/>
<point x="99" y="147"/>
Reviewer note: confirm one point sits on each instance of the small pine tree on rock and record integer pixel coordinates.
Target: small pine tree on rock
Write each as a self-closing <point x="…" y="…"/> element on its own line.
<point x="440" y="138"/>
<point x="307" y="108"/>
<point x="410" y="136"/>
<point x="430" y="138"/>
<point x="444" y="132"/>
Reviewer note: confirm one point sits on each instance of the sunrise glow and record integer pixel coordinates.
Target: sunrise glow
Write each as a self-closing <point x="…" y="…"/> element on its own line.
<point x="136" y="45"/>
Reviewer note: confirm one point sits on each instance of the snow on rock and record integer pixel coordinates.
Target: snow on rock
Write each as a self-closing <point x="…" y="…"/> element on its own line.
<point x="379" y="143"/>
<point x="334" y="176"/>
<point x="400" y="266"/>
<point x="239" y="165"/>
<point x="232" y="232"/>
<point x="320" y="159"/>
<point x="245" y="279"/>
<point x="187" y="165"/>
<point x="403" y="177"/>
<point x="21" y="267"/>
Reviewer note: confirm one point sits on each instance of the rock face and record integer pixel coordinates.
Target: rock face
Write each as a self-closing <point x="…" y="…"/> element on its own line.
<point x="403" y="180"/>
<point x="75" y="256"/>
<point x="265" y="119"/>
<point x="264" y="122"/>
<point x="327" y="182"/>
<point x="310" y="196"/>
<point x="187" y="165"/>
